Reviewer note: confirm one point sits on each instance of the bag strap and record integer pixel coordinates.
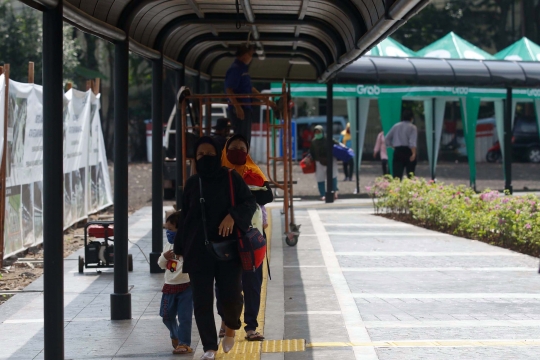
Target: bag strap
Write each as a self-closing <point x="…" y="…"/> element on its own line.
<point x="268" y="263"/>
<point x="203" y="212"/>
<point x="231" y="191"/>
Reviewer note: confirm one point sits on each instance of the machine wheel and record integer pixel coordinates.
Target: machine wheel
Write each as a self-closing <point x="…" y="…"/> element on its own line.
<point x="130" y="262"/>
<point x="493" y="156"/>
<point x="81" y="265"/>
<point x="291" y="239"/>
<point x="534" y="155"/>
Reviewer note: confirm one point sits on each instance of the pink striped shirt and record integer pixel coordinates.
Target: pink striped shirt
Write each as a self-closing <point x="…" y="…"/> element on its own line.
<point x="380" y="146"/>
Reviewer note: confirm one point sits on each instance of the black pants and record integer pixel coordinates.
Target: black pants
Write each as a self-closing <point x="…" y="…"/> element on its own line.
<point x="228" y="276"/>
<point x="384" y="163"/>
<point x="242" y="127"/>
<point x="251" y="284"/>
<point x="402" y="155"/>
<point x="348" y="167"/>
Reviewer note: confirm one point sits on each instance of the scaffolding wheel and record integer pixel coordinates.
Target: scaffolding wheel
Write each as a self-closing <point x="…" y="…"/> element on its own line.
<point x="130" y="262"/>
<point x="291" y="238"/>
<point x="81" y="265"/>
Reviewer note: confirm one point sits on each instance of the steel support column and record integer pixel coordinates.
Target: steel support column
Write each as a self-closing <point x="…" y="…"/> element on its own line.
<point x="121" y="298"/>
<point x="357" y="146"/>
<point x="507" y="158"/>
<point x="157" y="164"/>
<point x="433" y="138"/>
<point x="53" y="188"/>
<point x="329" y="142"/>
<point x="180" y="79"/>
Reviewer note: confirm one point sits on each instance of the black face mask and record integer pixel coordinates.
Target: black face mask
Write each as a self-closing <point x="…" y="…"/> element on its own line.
<point x="208" y="166"/>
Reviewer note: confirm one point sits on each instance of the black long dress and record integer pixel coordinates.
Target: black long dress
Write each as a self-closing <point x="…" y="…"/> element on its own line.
<point x="190" y="242"/>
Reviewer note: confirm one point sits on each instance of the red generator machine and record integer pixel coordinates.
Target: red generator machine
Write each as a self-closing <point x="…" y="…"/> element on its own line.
<point x="99" y="251"/>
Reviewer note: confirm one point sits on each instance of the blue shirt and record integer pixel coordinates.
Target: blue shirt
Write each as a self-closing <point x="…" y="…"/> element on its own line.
<point x="238" y="79"/>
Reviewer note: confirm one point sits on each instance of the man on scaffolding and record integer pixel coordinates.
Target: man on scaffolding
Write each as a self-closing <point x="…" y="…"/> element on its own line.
<point x="238" y="81"/>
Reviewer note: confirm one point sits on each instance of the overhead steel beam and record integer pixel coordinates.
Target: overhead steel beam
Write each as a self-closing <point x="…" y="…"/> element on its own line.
<point x="172" y="64"/>
<point x="53" y="190"/>
<point x="146" y="52"/>
<point x="313" y="57"/>
<point x="91" y="25"/>
<point x="227" y="19"/>
<point x="195" y="8"/>
<point x="329" y="57"/>
<point x="268" y="56"/>
<point x="303" y="9"/>
<point x="248" y="10"/>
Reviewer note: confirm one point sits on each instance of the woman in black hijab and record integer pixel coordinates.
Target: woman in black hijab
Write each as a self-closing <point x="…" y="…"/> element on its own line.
<point x="221" y="219"/>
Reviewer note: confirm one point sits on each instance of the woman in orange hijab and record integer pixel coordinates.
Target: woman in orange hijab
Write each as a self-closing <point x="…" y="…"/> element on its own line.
<point x="235" y="156"/>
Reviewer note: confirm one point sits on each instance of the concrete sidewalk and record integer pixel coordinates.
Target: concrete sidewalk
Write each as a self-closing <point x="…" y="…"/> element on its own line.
<point x="356" y="286"/>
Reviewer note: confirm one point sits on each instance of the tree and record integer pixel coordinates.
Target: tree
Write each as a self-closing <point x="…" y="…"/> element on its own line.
<point x="21" y="42"/>
<point x="485" y="23"/>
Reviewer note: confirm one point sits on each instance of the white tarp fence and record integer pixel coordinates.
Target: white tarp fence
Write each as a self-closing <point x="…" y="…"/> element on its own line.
<point x="86" y="180"/>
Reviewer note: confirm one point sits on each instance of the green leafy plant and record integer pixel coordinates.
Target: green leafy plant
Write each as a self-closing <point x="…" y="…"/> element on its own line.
<point x="500" y="219"/>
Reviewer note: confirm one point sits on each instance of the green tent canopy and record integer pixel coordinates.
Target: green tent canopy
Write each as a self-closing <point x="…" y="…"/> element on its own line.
<point x="390" y="47"/>
<point x="521" y="50"/>
<point x="452" y="46"/>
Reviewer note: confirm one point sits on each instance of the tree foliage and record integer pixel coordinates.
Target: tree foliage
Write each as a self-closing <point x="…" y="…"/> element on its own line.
<point x="485" y="23"/>
<point x="21" y="42"/>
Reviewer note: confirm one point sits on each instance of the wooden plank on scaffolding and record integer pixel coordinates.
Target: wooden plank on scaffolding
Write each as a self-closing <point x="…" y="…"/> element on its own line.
<point x="30" y="72"/>
<point x="3" y="167"/>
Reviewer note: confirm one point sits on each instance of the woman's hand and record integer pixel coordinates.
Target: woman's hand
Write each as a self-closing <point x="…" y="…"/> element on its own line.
<point x="226" y="226"/>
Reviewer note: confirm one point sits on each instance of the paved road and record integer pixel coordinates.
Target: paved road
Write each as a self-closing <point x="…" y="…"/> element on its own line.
<point x="356" y="286"/>
<point x="401" y="292"/>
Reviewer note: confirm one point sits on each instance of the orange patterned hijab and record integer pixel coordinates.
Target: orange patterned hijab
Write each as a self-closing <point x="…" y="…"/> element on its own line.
<point x="250" y="172"/>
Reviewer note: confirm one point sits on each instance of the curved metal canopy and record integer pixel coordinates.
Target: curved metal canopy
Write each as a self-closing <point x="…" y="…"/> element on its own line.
<point x="327" y="34"/>
<point x="441" y="72"/>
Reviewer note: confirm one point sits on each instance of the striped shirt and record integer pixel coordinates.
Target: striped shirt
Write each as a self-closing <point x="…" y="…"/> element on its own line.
<point x="403" y="133"/>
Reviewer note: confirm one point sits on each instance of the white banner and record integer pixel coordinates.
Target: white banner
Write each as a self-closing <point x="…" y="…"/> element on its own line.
<point x="86" y="182"/>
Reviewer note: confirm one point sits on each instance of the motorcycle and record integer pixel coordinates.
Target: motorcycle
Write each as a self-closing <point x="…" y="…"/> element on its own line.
<point x="494" y="153"/>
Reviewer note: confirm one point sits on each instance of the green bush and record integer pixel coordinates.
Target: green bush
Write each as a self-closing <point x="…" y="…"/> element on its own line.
<point x="499" y="219"/>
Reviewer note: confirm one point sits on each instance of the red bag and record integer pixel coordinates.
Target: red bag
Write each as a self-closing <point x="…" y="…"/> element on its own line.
<point x="251" y="244"/>
<point x="307" y="168"/>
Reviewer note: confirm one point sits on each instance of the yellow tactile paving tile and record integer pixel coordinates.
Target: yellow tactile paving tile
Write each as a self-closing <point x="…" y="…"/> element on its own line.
<point x="432" y="343"/>
<point x="278" y="346"/>
<point x="251" y="350"/>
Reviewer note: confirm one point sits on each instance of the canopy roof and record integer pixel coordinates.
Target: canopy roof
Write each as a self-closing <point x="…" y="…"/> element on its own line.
<point x="203" y="34"/>
<point x="522" y="50"/>
<point x="390" y="47"/>
<point x="452" y="46"/>
<point x="441" y="72"/>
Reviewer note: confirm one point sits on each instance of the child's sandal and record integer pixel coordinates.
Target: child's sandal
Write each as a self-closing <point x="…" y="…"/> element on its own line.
<point x="182" y="349"/>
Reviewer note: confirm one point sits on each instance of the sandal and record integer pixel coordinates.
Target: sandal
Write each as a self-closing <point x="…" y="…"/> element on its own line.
<point x="174" y="343"/>
<point x="182" y="349"/>
<point x="221" y="332"/>
<point x="254" y="336"/>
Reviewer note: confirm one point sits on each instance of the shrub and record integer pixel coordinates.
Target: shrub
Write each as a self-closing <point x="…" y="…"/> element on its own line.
<point x="499" y="219"/>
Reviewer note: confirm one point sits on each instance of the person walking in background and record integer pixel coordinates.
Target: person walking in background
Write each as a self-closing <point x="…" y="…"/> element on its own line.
<point x="380" y="146"/>
<point x="318" y="153"/>
<point x="402" y="138"/>
<point x="222" y="131"/>
<point x="176" y="308"/>
<point x="348" y="166"/>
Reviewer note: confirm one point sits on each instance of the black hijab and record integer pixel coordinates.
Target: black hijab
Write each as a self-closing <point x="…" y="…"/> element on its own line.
<point x="208" y="167"/>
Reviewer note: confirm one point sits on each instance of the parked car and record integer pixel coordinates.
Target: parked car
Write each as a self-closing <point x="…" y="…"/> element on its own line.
<point x="525" y="142"/>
